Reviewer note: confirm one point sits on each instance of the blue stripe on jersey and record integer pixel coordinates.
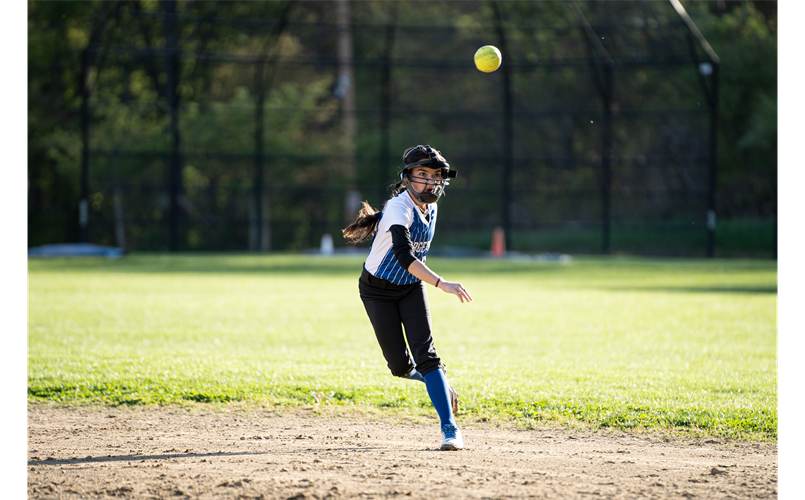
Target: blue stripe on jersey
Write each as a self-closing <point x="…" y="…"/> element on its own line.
<point x="421" y="236"/>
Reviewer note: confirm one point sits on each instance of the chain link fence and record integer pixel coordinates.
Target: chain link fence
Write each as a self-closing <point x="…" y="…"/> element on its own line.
<point x="263" y="132"/>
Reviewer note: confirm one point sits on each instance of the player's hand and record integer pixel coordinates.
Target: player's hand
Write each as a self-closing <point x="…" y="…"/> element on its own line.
<point x="456" y="289"/>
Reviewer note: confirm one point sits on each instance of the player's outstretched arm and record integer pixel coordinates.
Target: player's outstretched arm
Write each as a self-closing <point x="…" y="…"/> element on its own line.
<point x="423" y="272"/>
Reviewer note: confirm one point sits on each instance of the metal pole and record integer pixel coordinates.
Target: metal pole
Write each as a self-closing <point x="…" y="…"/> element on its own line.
<point x="776" y="209"/>
<point x="346" y="72"/>
<point x="713" y="95"/>
<point x="385" y="107"/>
<point x="258" y="155"/>
<point x="508" y="135"/>
<point x="174" y="167"/>
<point x="83" y="203"/>
<point x="507" y="198"/>
<point x="713" y="195"/>
<point x="262" y="236"/>
<point x="606" y="160"/>
<point x="604" y="84"/>
<point x="345" y="91"/>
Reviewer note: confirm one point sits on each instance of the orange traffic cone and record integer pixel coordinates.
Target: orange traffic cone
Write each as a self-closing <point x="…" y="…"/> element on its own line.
<point x="498" y="243"/>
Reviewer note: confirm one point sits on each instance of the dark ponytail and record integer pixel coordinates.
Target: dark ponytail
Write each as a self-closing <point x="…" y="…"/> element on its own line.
<point x="364" y="226"/>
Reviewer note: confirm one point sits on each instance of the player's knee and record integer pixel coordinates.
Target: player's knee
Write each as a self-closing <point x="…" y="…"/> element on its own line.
<point x="402" y="370"/>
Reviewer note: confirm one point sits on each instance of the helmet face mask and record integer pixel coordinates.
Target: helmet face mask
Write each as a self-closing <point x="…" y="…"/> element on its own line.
<point x="425" y="196"/>
<point x="438" y="184"/>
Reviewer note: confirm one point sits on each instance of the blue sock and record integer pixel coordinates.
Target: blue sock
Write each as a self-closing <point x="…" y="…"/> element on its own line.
<point x="416" y="376"/>
<point x="436" y="384"/>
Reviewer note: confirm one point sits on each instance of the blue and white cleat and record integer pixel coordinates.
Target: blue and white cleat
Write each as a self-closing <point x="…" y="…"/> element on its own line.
<point x="451" y="438"/>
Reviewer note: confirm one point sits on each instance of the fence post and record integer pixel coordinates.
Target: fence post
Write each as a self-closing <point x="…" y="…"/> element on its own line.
<point x="713" y="95"/>
<point x="345" y="91"/>
<point x="385" y="105"/>
<point x="508" y="134"/>
<point x="606" y="159"/>
<point x="260" y="77"/>
<point x="713" y="195"/>
<point x="776" y="209"/>
<point x="174" y="165"/>
<point x="603" y="83"/>
<point x="346" y="71"/>
<point x="83" y="203"/>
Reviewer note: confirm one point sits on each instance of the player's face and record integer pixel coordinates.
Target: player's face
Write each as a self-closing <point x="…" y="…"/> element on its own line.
<point x="424" y="180"/>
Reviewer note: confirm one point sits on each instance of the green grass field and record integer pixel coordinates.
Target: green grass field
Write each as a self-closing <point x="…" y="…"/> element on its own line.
<point x="685" y="345"/>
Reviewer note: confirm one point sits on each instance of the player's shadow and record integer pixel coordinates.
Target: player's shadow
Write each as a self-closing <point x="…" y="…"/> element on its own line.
<point x="166" y="456"/>
<point x="136" y="458"/>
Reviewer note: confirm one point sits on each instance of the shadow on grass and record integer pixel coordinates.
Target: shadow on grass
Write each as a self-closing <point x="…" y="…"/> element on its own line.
<point x="319" y="265"/>
<point x="206" y="264"/>
<point x="340" y="265"/>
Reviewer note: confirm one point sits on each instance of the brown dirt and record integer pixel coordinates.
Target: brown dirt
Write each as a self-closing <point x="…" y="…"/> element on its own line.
<point x="101" y="452"/>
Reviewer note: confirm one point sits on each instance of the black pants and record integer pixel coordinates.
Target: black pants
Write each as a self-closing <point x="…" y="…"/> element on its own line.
<point x="390" y="308"/>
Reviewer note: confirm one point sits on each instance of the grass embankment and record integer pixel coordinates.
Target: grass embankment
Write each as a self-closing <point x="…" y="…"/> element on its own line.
<point x="621" y="343"/>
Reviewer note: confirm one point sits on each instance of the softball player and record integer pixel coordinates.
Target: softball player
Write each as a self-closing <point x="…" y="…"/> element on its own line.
<point x="392" y="284"/>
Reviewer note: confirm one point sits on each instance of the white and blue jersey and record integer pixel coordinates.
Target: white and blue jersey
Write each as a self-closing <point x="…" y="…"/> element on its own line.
<point x="400" y="210"/>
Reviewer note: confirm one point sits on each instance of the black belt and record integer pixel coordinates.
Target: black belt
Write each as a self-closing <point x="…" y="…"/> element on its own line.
<point x="370" y="279"/>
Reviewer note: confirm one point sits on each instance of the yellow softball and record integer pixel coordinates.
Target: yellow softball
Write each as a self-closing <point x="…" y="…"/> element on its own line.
<point x="487" y="58"/>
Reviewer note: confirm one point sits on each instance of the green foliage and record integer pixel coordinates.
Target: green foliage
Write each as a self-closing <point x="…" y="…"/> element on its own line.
<point x="56" y="32"/>
<point x="436" y="96"/>
<point x="611" y="343"/>
<point x="745" y="40"/>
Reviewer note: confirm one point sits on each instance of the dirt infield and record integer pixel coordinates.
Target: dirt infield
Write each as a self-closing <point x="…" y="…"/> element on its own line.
<point x="104" y="452"/>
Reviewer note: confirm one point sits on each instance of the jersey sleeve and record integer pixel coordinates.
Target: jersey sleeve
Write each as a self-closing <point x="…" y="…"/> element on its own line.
<point x="401" y="246"/>
<point x="396" y="213"/>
